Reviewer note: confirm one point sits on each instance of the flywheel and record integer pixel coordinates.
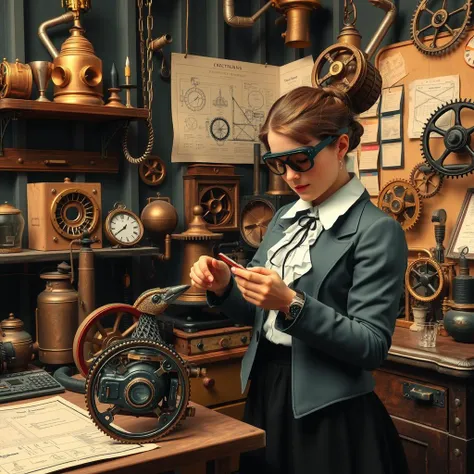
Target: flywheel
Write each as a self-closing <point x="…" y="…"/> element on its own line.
<point x="140" y="378"/>
<point x="433" y="17"/>
<point x="457" y="158"/>
<point x="426" y="181"/>
<point x="402" y="201"/>
<point x="217" y="205"/>
<point x="424" y="279"/>
<point x="346" y="67"/>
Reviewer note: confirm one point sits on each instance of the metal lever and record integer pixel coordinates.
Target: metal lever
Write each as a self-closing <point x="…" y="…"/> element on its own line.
<point x="424" y="394"/>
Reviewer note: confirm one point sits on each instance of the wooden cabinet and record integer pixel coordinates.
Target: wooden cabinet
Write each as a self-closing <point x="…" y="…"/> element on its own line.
<point x="430" y="395"/>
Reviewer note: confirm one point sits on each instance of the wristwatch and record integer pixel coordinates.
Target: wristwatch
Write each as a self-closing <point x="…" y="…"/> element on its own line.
<point x="296" y="305"/>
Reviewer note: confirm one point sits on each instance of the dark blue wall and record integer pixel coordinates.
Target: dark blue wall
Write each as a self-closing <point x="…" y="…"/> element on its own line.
<point x="111" y="27"/>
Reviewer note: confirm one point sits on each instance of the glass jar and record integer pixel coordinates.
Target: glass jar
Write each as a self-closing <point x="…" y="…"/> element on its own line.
<point x="12" y="225"/>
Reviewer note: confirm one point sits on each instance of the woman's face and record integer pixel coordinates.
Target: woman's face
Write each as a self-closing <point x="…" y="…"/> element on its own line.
<point x="315" y="183"/>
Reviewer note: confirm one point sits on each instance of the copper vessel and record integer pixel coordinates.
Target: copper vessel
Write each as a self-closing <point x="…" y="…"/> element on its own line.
<point x="56" y="317"/>
<point x="277" y="186"/>
<point x="296" y="12"/>
<point x="12" y="225"/>
<point x="198" y="240"/>
<point x="11" y="330"/>
<point x="16" y="80"/>
<point x="77" y="73"/>
<point x="159" y="217"/>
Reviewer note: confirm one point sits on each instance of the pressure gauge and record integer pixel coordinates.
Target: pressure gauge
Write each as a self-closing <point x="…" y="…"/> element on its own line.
<point x="469" y="52"/>
<point x="123" y="227"/>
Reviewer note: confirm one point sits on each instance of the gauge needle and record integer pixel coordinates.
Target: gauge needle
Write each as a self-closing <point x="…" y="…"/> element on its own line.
<point x="123" y="228"/>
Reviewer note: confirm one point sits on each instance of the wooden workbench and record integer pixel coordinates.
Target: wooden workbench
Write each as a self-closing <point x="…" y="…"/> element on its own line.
<point x="208" y="436"/>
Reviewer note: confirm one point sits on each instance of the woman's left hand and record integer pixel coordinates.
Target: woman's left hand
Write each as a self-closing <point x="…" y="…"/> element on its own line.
<point x="263" y="288"/>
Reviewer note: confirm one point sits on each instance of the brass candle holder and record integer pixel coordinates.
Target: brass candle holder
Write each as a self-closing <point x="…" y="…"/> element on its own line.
<point x="114" y="98"/>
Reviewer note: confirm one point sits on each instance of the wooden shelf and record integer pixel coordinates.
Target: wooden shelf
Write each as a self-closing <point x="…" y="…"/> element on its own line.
<point x="32" y="109"/>
<point x="33" y="256"/>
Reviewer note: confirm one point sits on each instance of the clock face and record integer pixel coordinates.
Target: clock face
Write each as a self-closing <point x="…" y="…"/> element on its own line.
<point x="126" y="228"/>
<point x="469" y="52"/>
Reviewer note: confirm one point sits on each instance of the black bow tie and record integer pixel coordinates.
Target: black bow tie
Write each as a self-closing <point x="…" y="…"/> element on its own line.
<point x="307" y="223"/>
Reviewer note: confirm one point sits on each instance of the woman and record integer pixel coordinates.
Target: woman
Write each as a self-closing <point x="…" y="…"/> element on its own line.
<point x="322" y="295"/>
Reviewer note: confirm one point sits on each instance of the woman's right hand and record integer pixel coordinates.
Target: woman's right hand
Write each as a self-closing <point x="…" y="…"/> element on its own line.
<point x="210" y="274"/>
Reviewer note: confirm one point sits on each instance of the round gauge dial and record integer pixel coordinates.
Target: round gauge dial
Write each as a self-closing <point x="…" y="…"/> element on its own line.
<point x="469" y="52"/>
<point x="123" y="227"/>
<point x="255" y="217"/>
<point x="195" y="99"/>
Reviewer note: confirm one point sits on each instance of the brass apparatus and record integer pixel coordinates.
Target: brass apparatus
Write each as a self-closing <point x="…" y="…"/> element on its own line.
<point x="56" y="317"/>
<point x="296" y="12"/>
<point x="345" y="66"/>
<point x="199" y="240"/>
<point x="11" y="330"/>
<point x="77" y="73"/>
<point x="16" y="80"/>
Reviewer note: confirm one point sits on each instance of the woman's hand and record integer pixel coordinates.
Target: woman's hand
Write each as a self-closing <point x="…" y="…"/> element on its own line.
<point x="264" y="288"/>
<point x="210" y="274"/>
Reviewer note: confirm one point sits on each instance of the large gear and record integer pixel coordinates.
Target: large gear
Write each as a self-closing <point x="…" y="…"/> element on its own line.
<point x="457" y="141"/>
<point x="428" y="17"/>
<point x="148" y="394"/>
<point x="424" y="279"/>
<point x="402" y="201"/>
<point x="426" y="181"/>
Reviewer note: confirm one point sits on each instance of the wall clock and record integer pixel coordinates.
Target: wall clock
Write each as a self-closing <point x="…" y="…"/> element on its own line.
<point x="123" y="227"/>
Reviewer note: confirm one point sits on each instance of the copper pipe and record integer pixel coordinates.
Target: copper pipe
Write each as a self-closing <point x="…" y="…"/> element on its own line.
<point x="43" y="35"/>
<point x="242" y="21"/>
<point x="86" y="283"/>
<point x="167" y="255"/>
<point x="428" y="253"/>
<point x="256" y="169"/>
<point x="161" y="42"/>
<point x="389" y="18"/>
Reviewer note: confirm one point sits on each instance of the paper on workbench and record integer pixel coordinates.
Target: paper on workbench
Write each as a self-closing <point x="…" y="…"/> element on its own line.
<point x="54" y="435"/>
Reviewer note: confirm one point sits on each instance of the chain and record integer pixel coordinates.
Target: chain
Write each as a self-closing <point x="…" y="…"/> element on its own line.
<point x="147" y="82"/>
<point x="350" y="10"/>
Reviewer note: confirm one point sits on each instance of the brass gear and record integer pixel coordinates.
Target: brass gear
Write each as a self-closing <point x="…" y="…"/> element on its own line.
<point x="401" y="200"/>
<point x="152" y="171"/>
<point x="114" y="351"/>
<point x="424" y="273"/>
<point x="439" y="20"/>
<point x="351" y="72"/>
<point x="426" y="180"/>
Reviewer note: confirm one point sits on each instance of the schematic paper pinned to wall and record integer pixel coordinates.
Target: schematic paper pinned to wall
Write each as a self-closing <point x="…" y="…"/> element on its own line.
<point x="218" y="106"/>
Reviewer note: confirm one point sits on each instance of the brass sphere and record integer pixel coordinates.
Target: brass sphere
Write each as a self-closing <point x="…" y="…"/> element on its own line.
<point x="159" y="217"/>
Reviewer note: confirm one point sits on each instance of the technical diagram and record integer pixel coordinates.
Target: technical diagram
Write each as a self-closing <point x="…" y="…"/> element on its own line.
<point x="219" y="129"/>
<point x="194" y="97"/>
<point x="246" y="121"/>
<point x="190" y="123"/>
<point x="220" y="101"/>
<point x="256" y="100"/>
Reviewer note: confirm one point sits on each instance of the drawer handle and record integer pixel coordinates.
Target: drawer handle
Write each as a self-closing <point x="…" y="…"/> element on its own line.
<point x="423" y="394"/>
<point x="55" y="162"/>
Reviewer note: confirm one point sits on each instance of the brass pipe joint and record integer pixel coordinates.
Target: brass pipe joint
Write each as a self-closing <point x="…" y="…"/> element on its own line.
<point x="161" y="42"/>
<point x="242" y="21"/>
<point x="389" y="18"/>
<point x="164" y="257"/>
<point x="43" y="35"/>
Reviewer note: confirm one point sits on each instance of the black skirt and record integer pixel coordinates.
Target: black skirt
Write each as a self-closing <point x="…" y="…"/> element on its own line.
<point x="355" y="436"/>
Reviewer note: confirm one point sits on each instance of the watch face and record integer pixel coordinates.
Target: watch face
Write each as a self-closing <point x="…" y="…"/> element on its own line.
<point x="125" y="228"/>
<point x="469" y="52"/>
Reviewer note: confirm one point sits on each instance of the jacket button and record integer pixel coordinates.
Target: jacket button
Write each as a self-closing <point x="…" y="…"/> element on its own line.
<point x="258" y="336"/>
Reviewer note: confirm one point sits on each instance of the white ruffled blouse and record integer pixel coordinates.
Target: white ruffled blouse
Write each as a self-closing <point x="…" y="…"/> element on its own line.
<point x="298" y="262"/>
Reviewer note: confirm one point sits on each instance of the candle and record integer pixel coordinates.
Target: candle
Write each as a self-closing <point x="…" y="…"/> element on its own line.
<point x="127" y="68"/>
<point x="114" y="77"/>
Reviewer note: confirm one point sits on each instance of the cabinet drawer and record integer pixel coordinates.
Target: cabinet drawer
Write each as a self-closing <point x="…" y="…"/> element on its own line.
<point x="413" y="400"/>
<point x="220" y="385"/>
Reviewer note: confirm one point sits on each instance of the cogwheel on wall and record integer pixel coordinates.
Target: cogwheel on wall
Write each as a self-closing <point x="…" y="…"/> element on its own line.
<point x="456" y="139"/>
<point x="426" y="180"/>
<point x="433" y="17"/>
<point x="401" y="200"/>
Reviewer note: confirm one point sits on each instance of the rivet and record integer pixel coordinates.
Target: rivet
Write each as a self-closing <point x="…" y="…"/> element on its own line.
<point x="457" y="402"/>
<point x="457" y="452"/>
<point x="457" y="421"/>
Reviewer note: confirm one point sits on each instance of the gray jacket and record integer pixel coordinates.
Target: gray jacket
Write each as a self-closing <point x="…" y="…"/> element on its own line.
<point x="352" y="298"/>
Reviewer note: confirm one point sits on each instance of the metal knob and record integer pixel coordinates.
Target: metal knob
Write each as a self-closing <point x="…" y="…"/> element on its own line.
<point x="208" y="382"/>
<point x="224" y="342"/>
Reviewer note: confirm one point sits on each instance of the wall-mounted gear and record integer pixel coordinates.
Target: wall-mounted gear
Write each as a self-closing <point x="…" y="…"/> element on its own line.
<point x="456" y="139"/>
<point x="401" y="200"/>
<point x="219" y="129"/>
<point x="432" y="17"/>
<point x="152" y="171"/>
<point x="424" y="279"/>
<point x="426" y="181"/>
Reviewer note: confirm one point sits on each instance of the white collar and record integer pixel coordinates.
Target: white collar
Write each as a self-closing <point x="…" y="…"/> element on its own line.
<point x="334" y="206"/>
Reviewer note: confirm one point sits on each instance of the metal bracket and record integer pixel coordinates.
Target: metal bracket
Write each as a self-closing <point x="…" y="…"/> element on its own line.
<point x="107" y="135"/>
<point x="4" y="122"/>
<point x="424" y="394"/>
